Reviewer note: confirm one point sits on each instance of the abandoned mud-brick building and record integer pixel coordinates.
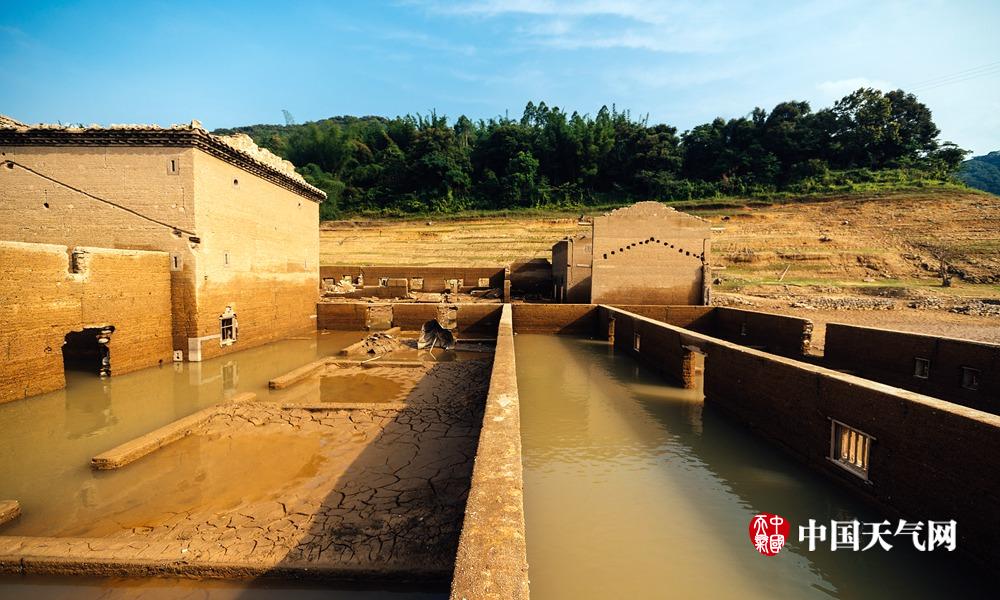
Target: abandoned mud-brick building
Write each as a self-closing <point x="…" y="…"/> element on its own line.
<point x="230" y="226"/>
<point x="647" y="253"/>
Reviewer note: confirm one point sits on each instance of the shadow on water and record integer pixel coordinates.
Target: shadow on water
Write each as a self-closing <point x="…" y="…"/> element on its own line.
<point x="635" y="488"/>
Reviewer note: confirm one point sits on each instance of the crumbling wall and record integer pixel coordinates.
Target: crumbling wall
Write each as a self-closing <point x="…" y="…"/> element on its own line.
<point x="433" y="279"/>
<point x="531" y="278"/>
<point x="890" y="357"/>
<point x="649" y="253"/>
<point x="258" y="256"/>
<point x="919" y="464"/>
<point x="466" y="318"/>
<point x="41" y="301"/>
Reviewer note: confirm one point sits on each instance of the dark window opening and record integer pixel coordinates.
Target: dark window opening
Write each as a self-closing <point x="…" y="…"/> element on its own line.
<point x="88" y="351"/>
<point x="921" y="368"/>
<point x="970" y="378"/>
<point x="228" y="327"/>
<point x="45" y="204"/>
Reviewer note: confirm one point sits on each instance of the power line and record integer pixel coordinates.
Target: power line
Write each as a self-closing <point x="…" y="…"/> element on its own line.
<point x="934" y="80"/>
<point x="11" y="164"/>
<point x="967" y="75"/>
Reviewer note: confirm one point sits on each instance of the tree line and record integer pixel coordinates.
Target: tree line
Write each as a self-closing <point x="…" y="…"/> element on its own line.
<point x="549" y="157"/>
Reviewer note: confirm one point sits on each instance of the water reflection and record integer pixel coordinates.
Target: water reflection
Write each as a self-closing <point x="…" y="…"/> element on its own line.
<point x="635" y="489"/>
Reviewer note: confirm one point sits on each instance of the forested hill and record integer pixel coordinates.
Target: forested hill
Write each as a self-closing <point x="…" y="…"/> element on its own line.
<point x="982" y="172"/>
<point x="549" y="157"/>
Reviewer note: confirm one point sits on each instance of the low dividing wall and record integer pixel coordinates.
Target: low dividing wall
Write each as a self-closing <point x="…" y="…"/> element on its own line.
<point x="492" y="557"/>
<point x="890" y="357"/>
<point x="471" y="318"/>
<point x="41" y="301"/>
<point x="777" y="334"/>
<point x="928" y="457"/>
<point x="573" y="319"/>
<point x="688" y="317"/>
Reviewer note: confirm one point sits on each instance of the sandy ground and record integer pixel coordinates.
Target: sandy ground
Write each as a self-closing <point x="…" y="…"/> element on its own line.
<point x="833" y="260"/>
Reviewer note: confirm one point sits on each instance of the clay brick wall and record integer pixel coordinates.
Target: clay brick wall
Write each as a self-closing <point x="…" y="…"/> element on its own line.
<point x="41" y="301"/>
<point x="649" y="253"/>
<point x="574" y="319"/>
<point x="435" y="278"/>
<point x="259" y="255"/>
<point x="778" y="334"/>
<point x="920" y="465"/>
<point x="699" y="318"/>
<point x="33" y="209"/>
<point x="890" y="357"/>
<point x="660" y="349"/>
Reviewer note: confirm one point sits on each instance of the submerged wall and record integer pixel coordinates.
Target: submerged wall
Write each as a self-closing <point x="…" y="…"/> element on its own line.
<point x="920" y="465"/>
<point x="891" y="357"/>
<point x="434" y="279"/>
<point x="41" y="301"/>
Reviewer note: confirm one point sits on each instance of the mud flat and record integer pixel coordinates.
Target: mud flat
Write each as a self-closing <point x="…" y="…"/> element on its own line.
<point x="327" y="490"/>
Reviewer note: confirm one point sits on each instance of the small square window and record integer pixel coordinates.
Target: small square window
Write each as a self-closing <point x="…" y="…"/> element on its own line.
<point x="636" y="338"/>
<point x="850" y="448"/>
<point x="970" y="378"/>
<point x="383" y="281"/>
<point x="921" y="368"/>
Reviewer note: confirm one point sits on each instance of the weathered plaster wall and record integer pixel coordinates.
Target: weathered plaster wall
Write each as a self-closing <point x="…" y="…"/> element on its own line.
<point x="649" y="253"/>
<point x="41" y="301"/>
<point x="889" y="357"/>
<point x="920" y="464"/>
<point x="153" y="181"/>
<point x="492" y="559"/>
<point x="259" y="255"/>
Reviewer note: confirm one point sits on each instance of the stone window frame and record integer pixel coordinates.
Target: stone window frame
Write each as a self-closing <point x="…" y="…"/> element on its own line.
<point x="921" y="367"/>
<point x="971" y="378"/>
<point x="855" y="457"/>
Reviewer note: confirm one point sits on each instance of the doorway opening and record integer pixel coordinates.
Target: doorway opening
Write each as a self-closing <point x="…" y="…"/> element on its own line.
<point x="88" y="350"/>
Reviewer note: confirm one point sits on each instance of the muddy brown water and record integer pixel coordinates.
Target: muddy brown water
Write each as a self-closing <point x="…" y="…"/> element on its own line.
<point x="46" y="443"/>
<point x="358" y="388"/>
<point x="636" y="489"/>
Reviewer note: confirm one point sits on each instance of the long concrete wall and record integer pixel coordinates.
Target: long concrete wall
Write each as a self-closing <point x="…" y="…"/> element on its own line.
<point x="920" y="465"/>
<point x="891" y="357"/>
<point x="492" y="559"/>
<point x="41" y="301"/>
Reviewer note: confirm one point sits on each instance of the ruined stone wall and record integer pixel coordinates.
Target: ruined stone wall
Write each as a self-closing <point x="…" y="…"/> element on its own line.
<point x="570" y="319"/>
<point x="469" y="318"/>
<point x="435" y="279"/>
<point x="154" y="182"/>
<point x="41" y="301"/>
<point x="920" y="465"/>
<point x="259" y="256"/>
<point x="890" y="357"/>
<point x="661" y="349"/>
<point x="649" y="253"/>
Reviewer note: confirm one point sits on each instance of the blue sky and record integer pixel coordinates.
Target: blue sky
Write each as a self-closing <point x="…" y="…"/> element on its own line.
<point x="683" y="63"/>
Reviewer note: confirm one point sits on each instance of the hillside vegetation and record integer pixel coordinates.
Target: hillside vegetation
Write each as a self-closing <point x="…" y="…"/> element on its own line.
<point x="982" y="172"/>
<point x="549" y="158"/>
